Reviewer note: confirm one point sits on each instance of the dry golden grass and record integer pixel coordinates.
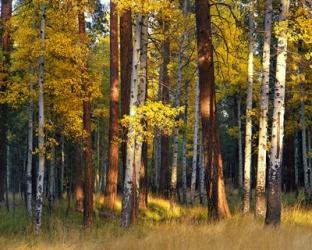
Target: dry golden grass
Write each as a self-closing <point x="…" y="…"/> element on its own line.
<point x="160" y="227"/>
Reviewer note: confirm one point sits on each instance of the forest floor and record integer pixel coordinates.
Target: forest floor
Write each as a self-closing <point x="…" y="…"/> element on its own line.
<point x="159" y="227"/>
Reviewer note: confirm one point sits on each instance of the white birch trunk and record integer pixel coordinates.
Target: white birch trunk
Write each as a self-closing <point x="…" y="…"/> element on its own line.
<point x="41" y="167"/>
<point x="30" y="148"/>
<point x="264" y="105"/>
<point x="248" y="131"/>
<point x="273" y="214"/>
<point x="195" y="143"/>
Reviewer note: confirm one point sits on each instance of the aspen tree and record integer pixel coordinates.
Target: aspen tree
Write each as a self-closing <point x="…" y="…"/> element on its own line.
<point x="273" y="214"/>
<point x="264" y="106"/>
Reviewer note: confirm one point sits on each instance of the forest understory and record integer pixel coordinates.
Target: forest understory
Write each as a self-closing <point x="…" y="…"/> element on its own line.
<point x="160" y="226"/>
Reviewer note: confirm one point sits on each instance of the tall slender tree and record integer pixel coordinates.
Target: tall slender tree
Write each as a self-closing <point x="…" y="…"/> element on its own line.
<point x="165" y="84"/>
<point x="41" y="134"/>
<point x="6" y="12"/>
<point x="126" y="47"/>
<point x="30" y="147"/>
<point x="134" y="142"/>
<point x="217" y="201"/>
<point x="195" y="143"/>
<point x="264" y="107"/>
<point x="248" y="130"/>
<point x="112" y="171"/>
<point x="87" y="140"/>
<point x="273" y="213"/>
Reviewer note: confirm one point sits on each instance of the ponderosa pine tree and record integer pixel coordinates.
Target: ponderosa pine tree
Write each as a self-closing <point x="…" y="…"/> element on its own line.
<point x="113" y="152"/>
<point x="273" y="213"/>
<point x="87" y="140"/>
<point x="125" y="73"/>
<point x="217" y="201"/>
<point x="6" y="12"/>
<point x="264" y="107"/>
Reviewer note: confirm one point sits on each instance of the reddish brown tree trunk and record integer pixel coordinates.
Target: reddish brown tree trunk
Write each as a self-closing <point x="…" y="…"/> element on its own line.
<point x="217" y="202"/>
<point x="112" y="171"/>
<point x="164" y="84"/>
<point x="126" y="48"/>
<point x="6" y="12"/>
<point x="87" y="141"/>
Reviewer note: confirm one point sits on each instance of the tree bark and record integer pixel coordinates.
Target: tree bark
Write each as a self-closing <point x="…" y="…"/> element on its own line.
<point x="87" y="141"/>
<point x="126" y="48"/>
<point x="173" y="184"/>
<point x="41" y="134"/>
<point x="144" y="177"/>
<point x="61" y="191"/>
<point x="134" y="143"/>
<point x="273" y="214"/>
<point x="195" y="144"/>
<point x="112" y="171"/>
<point x="51" y="194"/>
<point x="217" y="202"/>
<point x="30" y="148"/>
<point x="296" y="142"/>
<point x="248" y="131"/>
<point x="6" y="12"/>
<point x="306" y="170"/>
<point x="239" y="144"/>
<point x="201" y="171"/>
<point x="264" y="106"/>
<point x="165" y="83"/>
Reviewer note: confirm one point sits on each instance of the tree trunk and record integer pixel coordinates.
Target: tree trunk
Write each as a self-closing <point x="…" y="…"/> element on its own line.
<point x="296" y="142"/>
<point x="134" y="143"/>
<point x="165" y="83"/>
<point x="195" y="144"/>
<point x="6" y="12"/>
<point x="173" y="184"/>
<point x="61" y="191"/>
<point x="112" y="171"/>
<point x="144" y="177"/>
<point x="41" y="135"/>
<point x="273" y="214"/>
<point x="217" y="202"/>
<point x="264" y="106"/>
<point x="248" y="131"/>
<point x="87" y="141"/>
<point x="201" y="171"/>
<point x="306" y="170"/>
<point x="30" y="149"/>
<point x="51" y="195"/>
<point x="239" y="142"/>
<point x="126" y="48"/>
<point x="184" y="149"/>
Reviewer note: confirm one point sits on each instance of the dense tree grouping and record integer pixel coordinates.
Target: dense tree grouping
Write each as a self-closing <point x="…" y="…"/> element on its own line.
<point x="179" y="99"/>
